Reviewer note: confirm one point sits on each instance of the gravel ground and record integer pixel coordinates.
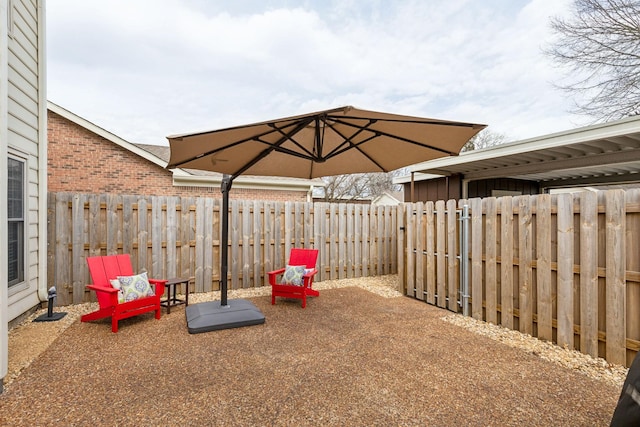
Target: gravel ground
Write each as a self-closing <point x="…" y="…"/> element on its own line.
<point x="352" y="357"/>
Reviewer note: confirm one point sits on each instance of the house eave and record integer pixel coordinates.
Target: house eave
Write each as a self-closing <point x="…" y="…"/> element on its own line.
<point x="591" y="153"/>
<point x="246" y="182"/>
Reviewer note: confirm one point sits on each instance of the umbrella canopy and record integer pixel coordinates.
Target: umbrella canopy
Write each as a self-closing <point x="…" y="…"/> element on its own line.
<point x="333" y="142"/>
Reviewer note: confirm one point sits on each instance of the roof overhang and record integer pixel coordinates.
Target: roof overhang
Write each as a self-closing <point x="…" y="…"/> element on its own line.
<point x="596" y="154"/>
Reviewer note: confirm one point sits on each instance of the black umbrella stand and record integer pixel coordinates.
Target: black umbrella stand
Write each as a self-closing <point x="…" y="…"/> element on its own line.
<point x="223" y="314"/>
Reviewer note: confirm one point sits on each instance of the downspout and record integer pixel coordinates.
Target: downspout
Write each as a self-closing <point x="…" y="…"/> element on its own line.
<point x="446" y="184"/>
<point x="413" y="199"/>
<point x="42" y="156"/>
<point x="465" y="188"/>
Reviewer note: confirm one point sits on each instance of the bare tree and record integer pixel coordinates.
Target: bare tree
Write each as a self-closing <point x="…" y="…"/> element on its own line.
<point x="600" y="47"/>
<point x="344" y="188"/>
<point x="483" y="139"/>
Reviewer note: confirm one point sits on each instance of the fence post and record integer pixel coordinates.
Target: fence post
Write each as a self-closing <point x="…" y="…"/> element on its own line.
<point x="589" y="274"/>
<point x="401" y="248"/>
<point x="616" y="287"/>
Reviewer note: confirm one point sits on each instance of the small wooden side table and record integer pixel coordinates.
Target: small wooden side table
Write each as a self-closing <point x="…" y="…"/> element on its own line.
<point x="172" y="300"/>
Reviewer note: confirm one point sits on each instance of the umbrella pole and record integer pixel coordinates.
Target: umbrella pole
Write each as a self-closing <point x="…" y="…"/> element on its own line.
<point x="225" y="186"/>
<point x="211" y="315"/>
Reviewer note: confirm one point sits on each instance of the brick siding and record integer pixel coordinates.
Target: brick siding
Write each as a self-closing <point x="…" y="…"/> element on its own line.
<point x="80" y="161"/>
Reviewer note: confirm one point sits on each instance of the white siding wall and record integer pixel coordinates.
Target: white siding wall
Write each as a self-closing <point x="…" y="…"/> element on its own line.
<point x="4" y="315"/>
<point x="24" y="122"/>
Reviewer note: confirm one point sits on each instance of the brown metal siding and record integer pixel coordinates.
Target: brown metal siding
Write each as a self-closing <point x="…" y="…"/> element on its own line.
<point x="444" y="188"/>
<point x="447" y="188"/>
<point x="483" y="188"/>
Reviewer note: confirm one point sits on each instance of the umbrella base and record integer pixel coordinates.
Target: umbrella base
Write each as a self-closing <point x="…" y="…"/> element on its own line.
<point x="212" y="316"/>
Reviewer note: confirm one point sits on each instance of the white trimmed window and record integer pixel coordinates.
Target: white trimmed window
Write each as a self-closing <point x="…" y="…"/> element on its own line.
<point x="16" y="227"/>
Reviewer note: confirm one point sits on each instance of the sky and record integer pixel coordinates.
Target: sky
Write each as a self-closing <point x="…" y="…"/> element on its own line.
<point x="147" y="69"/>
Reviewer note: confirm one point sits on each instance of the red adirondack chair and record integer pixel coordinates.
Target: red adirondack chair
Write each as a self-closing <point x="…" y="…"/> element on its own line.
<point x="105" y="268"/>
<point x="293" y="284"/>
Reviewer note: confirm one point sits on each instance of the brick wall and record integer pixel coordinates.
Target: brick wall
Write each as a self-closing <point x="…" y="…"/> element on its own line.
<point x="83" y="162"/>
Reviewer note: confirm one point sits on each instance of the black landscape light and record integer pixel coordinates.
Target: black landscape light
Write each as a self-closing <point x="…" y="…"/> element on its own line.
<point x="50" y="316"/>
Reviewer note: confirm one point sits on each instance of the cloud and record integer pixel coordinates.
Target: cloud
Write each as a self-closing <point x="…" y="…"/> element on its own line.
<point x="148" y="69"/>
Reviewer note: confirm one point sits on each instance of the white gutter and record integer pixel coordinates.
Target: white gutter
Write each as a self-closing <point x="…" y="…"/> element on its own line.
<point x="418" y="176"/>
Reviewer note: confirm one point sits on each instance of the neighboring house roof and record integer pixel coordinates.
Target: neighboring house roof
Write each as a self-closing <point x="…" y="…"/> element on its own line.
<point x="105" y="134"/>
<point x="596" y="154"/>
<point x="159" y="155"/>
<point x="391" y="198"/>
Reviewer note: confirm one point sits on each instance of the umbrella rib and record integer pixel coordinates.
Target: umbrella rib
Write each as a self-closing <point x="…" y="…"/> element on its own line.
<point x="275" y="146"/>
<point x="231" y="145"/>
<point x="416" y="121"/>
<point x="410" y="141"/>
<point x="348" y="141"/>
<point x="338" y="151"/>
<point x="317" y="156"/>
<point x="319" y="138"/>
<point x="289" y="137"/>
<point x="307" y="156"/>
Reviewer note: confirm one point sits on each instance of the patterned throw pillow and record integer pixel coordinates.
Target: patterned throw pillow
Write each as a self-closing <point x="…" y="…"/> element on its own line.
<point x="293" y="275"/>
<point x="116" y="284"/>
<point x="135" y="287"/>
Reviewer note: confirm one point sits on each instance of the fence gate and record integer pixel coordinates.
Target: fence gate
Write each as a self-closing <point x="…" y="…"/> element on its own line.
<point x="436" y="246"/>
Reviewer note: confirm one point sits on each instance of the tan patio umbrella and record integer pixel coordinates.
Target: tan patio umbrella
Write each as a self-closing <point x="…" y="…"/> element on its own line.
<point x="333" y="142"/>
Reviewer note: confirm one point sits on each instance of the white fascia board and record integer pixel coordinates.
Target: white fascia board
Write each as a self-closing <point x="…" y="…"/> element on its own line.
<point x="417" y="176"/>
<point x="280" y="183"/>
<point x="179" y="172"/>
<point x="584" y="134"/>
<point x="256" y="183"/>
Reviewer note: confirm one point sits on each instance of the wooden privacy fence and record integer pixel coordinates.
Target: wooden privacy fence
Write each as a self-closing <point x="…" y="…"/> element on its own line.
<point x="563" y="268"/>
<point x="180" y="237"/>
